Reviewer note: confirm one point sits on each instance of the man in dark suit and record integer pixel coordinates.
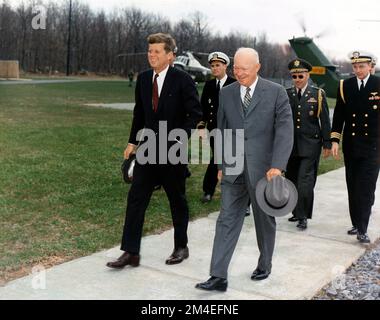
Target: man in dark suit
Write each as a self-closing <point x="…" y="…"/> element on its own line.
<point x="257" y="113"/>
<point x="311" y="133"/>
<point x="357" y="114"/>
<point x="219" y="62"/>
<point x="163" y="95"/>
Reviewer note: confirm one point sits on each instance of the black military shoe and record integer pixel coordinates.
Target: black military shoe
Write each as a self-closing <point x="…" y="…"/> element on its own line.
<point x="293" y="219"/>
<point x="363" y="238"/>
<point x="352" y="231"/>
<point x="247" y="211"/>
<point x="302" y="224"/>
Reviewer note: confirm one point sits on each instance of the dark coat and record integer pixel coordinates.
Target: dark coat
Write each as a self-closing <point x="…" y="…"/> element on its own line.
<point x="357" y="115"/>
<point x="311" y="122"/>
<point x="178" y="103"/>
<point x="210" y="103"/>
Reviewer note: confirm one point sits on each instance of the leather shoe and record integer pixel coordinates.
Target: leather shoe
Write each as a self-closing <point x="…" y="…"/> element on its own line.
<point x="248" y="211"/>
<point x="363" y="238"/>
<point x="302" y="224"/>
<point x="214" y="283"/>
<point x="125" y="259"/>
<point x="260" y="274"/>
<point x="352" y="231"/>
<point x="206" y="198"/>
<point x="293" y="219"/>
<point x="178" y="256"/>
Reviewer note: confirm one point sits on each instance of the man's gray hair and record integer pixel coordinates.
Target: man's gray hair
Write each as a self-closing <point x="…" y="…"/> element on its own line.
<point x="250" y="51"/>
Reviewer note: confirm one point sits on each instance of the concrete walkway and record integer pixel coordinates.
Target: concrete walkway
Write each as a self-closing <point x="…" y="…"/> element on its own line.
<point x="303" y="263"/>
<point x="119" y="106"/>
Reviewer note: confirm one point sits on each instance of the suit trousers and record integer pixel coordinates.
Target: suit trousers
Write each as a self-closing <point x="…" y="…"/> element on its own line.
<point x="210" y="179"/>
<point x="361" y="178"/>
<point x="235" y="197"/>
<point x="145" y="177"/>
<point x="302" y="171"/>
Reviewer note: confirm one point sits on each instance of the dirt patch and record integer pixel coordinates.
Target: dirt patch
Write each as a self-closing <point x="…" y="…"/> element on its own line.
<point x="12" y="274"/>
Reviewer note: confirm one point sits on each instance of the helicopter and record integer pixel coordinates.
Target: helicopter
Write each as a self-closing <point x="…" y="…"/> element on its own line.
<point x="324" y="73"/>
<point x="191" y="65"/>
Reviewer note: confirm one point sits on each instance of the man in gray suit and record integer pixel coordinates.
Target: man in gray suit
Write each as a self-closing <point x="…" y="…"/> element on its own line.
<point x="261" y="108"/>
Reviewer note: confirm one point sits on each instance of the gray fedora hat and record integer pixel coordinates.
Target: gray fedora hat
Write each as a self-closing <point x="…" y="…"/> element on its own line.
<point x="276" y="197"/>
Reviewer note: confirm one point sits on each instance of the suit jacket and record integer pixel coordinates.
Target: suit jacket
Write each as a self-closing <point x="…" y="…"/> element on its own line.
<point x="358" y="113"/>
<point x="178" y="103"/>
<point x="268" y="127"/>
<point x="312" y="126"/>
<point x="210" y="103"/>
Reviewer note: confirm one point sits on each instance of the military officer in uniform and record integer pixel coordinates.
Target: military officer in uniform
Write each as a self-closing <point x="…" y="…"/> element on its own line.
<point x="219" y="62"/>
<point x="357" y="115"/>
<point x="311" y="133"/>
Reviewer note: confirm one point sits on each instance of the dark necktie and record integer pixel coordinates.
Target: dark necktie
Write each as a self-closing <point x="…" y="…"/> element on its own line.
<point x="361" y="86"/>
<point x="155" y="94"/>
<point x="299" y="94"/>
<point x="218" y="86"/>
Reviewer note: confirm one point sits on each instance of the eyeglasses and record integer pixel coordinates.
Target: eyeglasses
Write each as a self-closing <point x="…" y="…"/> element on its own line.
<point x="299" y="76"/>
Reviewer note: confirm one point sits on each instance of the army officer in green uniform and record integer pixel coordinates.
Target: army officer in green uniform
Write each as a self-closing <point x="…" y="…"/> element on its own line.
<point x="311" y="134"/>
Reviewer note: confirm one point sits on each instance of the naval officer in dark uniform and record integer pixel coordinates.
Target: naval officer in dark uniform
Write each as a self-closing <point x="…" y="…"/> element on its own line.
<point x="311" y="133"/>
<point x="219" y="62"/>
<point x="357" y="115"/>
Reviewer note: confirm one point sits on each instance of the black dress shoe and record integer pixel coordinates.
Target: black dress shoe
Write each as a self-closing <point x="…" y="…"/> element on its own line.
<point x="247" y="211"/>
<point x="293" y="219"/>
<point x="259" y="274"/>
<point x="124" y="260"/>
<point x="178" y="256"/>
<point x="302" y="224"/>
<point x="206" y="198"/>
<point x="214" y="283"/>
<point x="363" y="238"/>
<point x="352" y="231"/>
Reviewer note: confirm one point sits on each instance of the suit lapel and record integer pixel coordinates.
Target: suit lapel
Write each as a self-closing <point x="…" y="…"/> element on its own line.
<point x="148" y="84"/>
<point x="305" y="95"/>
<point x="237" y="99"/>
<point x="257" y="95"/>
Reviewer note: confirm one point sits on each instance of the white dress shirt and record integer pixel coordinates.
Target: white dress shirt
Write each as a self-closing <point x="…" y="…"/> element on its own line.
<point x="222" y="81"/>
<point x="160" y="79"/>
<point x="303" y="89"/>
<point x="364" y="80"/>
<point x="243" y="89"/>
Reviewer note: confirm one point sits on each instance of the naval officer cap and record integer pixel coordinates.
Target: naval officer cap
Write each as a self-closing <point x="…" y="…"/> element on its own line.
<point x="299" y="65"/>
<point x="358" y="57"/>
<point x="218" y="56"/>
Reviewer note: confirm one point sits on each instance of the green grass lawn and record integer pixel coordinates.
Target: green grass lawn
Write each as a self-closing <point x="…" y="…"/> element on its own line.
<point x="61" y="191"/>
